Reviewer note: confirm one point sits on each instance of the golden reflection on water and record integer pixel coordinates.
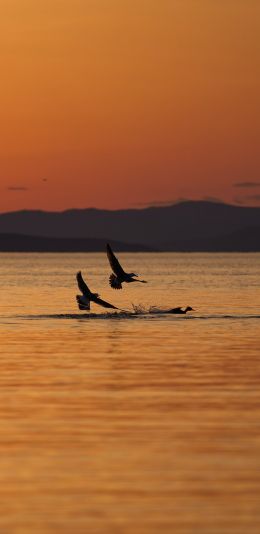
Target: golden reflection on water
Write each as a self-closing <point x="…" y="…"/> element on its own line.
<point x="121" y="425"/>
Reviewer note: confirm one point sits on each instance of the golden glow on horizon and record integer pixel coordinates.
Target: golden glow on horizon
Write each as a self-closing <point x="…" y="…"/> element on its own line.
<point x="116" y="103"/>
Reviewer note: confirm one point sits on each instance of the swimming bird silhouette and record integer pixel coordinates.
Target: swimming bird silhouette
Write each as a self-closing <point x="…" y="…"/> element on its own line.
<point x="119" y="275"/>
<point x="87" y="296"/>
<point x="180" y="310"/>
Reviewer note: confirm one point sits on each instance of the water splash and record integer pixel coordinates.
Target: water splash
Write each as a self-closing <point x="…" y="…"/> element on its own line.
<point x="140" y="309"/>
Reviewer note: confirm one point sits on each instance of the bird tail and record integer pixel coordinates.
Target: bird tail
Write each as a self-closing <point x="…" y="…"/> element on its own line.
<point x="83" y="302"/>
<point x="114" y="282"/>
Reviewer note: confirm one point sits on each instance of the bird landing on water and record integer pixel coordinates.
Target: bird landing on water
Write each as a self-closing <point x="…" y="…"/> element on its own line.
<point x="87" y="296"/>
<point x="180" y="310"/>
<point x="177" y="311"/>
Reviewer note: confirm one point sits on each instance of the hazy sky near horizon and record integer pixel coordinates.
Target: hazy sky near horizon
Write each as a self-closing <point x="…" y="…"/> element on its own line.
<point x="123" y="103"/>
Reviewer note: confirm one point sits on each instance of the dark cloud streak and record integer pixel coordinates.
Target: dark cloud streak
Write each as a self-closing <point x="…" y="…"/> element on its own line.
<point x="17" y="188"/>
<point x="164" y="203"/>
<point x="253" y="197"/>
<point x="246" y="184"/>
<point x="244" y="200"/>
<point x="161" y="203"/>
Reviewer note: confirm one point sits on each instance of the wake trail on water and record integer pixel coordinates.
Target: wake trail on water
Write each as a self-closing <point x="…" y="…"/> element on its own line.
<point x="138" y="311"/>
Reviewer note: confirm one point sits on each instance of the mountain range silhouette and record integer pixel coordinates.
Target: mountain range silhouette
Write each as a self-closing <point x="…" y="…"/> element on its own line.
<point x="187" y="226"/>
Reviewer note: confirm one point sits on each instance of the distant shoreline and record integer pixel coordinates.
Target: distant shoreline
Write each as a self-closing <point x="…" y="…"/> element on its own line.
<point x="24" y="243"/>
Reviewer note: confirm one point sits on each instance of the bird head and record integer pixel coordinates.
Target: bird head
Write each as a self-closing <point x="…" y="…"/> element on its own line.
<point x="189" y="308"/>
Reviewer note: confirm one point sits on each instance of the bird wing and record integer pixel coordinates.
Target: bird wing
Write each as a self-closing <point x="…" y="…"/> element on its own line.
<point x="82" y="285"/>
<point x="115" y="282"/>
<point x="103" y="303"/>
<point x="83" y="302"/>
<point x="114" y="263"/>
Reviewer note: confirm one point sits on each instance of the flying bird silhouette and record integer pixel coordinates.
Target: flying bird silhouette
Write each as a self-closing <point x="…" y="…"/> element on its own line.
<point x="87" y="296"/>
<point x="119" y="275"/>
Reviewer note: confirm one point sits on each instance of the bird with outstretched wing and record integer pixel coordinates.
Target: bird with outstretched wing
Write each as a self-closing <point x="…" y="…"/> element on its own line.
<point x="87" y="296"/>
<point x="118" y="275"/>
<point x="118" y="272"/>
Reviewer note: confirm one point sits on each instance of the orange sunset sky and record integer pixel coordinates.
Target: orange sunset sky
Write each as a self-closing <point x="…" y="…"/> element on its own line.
<point x="126" y="103"/>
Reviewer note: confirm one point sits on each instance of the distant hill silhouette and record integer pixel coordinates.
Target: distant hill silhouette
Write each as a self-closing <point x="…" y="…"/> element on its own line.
<point x="245" y="240"/>
<point x="191" y="225"/>
<point x="26" y="243"/>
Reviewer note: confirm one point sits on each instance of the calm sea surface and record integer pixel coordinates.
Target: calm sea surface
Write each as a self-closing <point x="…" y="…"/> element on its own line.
<point x="130" y="423"/>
